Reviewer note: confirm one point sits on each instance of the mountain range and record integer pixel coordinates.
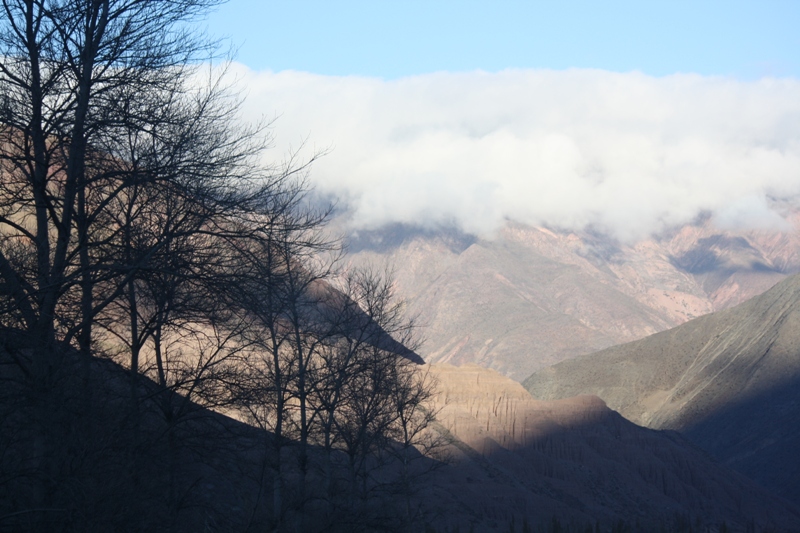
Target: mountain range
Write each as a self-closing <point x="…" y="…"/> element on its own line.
<point x="530" y="297"/>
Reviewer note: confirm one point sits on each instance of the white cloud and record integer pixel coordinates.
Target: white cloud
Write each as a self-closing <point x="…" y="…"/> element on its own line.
<point x="628" y="153"/>
<point x="751" y="212"/>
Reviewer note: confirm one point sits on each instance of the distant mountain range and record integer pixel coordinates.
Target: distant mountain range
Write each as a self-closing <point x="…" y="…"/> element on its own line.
<point x="531" y="297"/>
<point x="728" y="381"/>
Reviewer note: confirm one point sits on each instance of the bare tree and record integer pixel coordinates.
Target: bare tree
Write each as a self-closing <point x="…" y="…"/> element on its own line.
<point x="370" y="403"/>
<point x="116" y="169"/>
<point x="136" y="223"/>
<point x="273" y="285"/>
<point x="74" y="74"/>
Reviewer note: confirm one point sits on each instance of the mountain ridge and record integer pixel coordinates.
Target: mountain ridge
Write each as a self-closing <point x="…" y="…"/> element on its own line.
<point x="533" y="296"/>
<point x="729" y="381"/>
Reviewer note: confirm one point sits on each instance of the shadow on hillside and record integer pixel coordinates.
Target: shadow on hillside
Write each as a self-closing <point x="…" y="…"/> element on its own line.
<point x="391" y="236"/>
<point x="715" y="260"/>
<point x="759" y="436"/>
<point x="703" y="259"/>
<point x="605" y="470"/>
<point x="87" y="451"/>
<point x="71" y="461"/>
<point x="103" y="462"/>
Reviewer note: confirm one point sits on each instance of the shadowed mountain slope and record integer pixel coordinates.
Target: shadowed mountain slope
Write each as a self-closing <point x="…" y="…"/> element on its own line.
<point x="581" y="462"/>
<point x="729" y="381"/>
<point x="171" y="465"/>
<point x="531" y="297"/>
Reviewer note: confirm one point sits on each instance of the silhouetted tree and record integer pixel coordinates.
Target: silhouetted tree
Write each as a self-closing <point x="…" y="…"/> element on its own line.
<point x="137" y="223"/>
<point x="113" y="160"/>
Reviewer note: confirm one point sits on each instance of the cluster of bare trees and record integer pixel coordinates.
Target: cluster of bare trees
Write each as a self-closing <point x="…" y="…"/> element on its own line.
<point x="338" y="400"/>
<point x="138" y="224"/>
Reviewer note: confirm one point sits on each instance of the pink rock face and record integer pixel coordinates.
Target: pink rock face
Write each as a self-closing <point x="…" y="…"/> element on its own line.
<point x="531" y="297"/>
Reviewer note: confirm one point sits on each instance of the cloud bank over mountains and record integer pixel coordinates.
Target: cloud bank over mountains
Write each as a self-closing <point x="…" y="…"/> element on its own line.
<point x="627" y="154"/>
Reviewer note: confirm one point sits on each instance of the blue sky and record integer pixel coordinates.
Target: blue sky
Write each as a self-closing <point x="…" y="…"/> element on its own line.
<point x="392" y="39"/>
<point x="629" y="117"/>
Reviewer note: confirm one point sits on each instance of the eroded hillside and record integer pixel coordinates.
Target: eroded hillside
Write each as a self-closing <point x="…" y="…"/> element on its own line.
<point x="532" y="297"/>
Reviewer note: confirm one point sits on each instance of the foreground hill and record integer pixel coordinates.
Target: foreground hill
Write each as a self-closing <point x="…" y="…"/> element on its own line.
<point x="729" y="381"/>
<point x="163" y="463"/>
<point x="579" y="461"/>
<point x="531" y="297"/>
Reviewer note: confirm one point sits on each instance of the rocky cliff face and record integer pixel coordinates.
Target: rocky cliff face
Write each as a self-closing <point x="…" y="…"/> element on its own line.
<point x="729" y="381"/>
<point x="579" y="461"/>
<point x="532" y="297"/>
